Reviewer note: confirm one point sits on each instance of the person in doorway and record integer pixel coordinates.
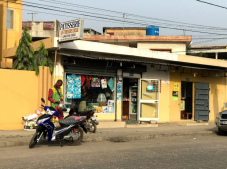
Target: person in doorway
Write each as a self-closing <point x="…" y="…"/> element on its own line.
<point x="55" y="96"/>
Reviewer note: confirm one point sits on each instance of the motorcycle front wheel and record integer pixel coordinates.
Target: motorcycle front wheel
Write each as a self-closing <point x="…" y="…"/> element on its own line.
<point x="93" y="128"/>
<point x="33" y="141"/>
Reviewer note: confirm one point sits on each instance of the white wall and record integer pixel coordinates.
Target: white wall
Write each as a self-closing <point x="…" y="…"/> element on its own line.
<point x="177" y="48"/>
<point x="153" y="73"/>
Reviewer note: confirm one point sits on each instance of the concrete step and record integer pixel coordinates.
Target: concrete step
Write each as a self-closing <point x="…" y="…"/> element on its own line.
<point x="114" y="124"/>
<point x="193" y="124"/>
<point x="131" y="122"/>
<point x="140" y="125"/>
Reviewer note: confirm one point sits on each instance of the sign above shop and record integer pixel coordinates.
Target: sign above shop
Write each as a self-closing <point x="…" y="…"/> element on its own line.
<point x="71" y="30"/>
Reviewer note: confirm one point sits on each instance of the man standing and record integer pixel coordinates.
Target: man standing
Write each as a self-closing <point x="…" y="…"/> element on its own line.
<point x="55" y="97"/>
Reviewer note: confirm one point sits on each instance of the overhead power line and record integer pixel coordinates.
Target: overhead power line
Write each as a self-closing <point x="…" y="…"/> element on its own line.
<point x="201" y="42"/>
<point x="99" y="17"/>
<point x="128" y="14"/>
<point x="212" y="4"/>
<point x="117" y="21"/>
<point x="120" y="17"/>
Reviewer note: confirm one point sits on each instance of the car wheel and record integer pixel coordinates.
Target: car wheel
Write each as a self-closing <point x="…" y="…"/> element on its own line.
<point x="221" y="132"/>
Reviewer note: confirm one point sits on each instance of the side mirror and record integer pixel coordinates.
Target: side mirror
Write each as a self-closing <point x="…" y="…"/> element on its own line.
<point x="43" y="100"/>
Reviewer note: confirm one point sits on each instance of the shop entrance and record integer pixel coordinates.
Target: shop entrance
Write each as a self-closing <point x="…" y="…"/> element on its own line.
<point x="149" y="99"/>
<point x="130" y="99"/>
<point x="186" y="100"/>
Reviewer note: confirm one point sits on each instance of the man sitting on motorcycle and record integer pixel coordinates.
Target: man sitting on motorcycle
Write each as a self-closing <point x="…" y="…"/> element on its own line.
<point x="55" y="96"/>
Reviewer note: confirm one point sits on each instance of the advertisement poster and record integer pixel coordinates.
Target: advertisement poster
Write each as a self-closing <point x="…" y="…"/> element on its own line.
<point x="118" y="96"/>
<point x="150" y="85"/>
<point x="118" y="88"/>
<point x="176" y="87"/>
<point x="175" y="96"/>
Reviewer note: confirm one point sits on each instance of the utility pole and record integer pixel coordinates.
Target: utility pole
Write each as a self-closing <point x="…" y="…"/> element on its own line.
<point x="184" y="32"/>
<point x="123" y="21"/>
<point x="64" y="12"/>
<point x="32" y="15"/>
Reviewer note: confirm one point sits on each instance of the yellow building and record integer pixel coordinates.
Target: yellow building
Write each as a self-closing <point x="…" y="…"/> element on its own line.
<point x="152" y="79"/>
<point x="10" y="28"/>
<point x="169" y="87"/>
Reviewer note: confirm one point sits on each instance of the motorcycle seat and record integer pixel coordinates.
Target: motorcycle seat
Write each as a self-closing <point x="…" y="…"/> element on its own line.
<point x="84" y="113"/>
<point x="69" y="121"/>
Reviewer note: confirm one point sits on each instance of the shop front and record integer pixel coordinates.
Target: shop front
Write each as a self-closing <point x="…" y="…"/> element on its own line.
<point x="115" y="93"/>
<point x="87" y="84"/>
<point x="140" y="98"/>
<point x="196" y="94"/>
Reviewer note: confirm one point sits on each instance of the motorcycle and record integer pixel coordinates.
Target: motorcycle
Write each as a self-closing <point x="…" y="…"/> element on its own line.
<point x="90" y="121"/>
<point x="69" y="131"/>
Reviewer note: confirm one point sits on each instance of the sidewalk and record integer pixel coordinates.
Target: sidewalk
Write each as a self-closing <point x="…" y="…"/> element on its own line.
<point x="22" y="137"/>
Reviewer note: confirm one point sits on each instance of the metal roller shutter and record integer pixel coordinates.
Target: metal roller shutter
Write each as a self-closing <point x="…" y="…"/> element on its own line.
<point x="90" y="71"/>
<point x="91" y="67"/>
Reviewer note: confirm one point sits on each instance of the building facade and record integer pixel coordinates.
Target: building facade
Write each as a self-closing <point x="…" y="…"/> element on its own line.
<point x="132" y="85"/>
<point x="133" y="79"/>
<point x="45" y="29"/>
<point x="10" y="28"/>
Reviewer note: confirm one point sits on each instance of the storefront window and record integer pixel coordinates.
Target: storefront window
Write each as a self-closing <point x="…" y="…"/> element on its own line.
<point x="89" y="92"/>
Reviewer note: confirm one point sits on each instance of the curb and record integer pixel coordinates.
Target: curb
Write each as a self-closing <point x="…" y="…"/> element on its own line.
<point x="115" y="138"/>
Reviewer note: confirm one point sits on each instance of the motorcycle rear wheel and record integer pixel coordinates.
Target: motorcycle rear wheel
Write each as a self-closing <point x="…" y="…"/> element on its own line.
<point x="33" y="141"/>
<point x="80" y="131"/>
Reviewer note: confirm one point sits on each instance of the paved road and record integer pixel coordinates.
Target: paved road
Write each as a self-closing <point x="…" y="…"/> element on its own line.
<point x="181" y="152"/>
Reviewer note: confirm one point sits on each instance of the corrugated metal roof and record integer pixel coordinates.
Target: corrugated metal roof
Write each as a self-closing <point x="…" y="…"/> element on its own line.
<point x="209" y="46"/>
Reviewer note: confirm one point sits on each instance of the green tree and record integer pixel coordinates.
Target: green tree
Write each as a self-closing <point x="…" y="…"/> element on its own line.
<point x="41" y="58"/>
<point x="24" y="52"/>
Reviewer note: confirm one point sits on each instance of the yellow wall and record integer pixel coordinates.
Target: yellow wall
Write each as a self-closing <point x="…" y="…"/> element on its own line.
<point x="217" y="92"/>
<point x="10" y="38"/>
<point x="152" y="73"/>
<point x="19" y="97"/>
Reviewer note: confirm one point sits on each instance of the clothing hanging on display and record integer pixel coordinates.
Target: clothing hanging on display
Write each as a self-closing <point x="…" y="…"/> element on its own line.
<point x="88" y="81"/>
<point x="95" y="82"/>
<point x="110" y="84"/>
<point x="82" y="80"/>
<point x="73" y="86"/>
<point x="104" y="84"/>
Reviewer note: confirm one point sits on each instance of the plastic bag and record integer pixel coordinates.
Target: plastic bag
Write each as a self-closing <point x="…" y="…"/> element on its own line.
<point x="30" y="117"/>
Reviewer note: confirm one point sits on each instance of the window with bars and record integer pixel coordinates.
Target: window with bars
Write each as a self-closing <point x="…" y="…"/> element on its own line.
<point x="10" y="19"/>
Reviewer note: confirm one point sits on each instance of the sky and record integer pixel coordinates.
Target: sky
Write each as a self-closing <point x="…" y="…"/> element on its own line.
<point x="97" y="14"/>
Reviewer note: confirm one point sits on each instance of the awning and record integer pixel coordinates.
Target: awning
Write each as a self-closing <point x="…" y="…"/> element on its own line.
<point x="102" y="51"/>
<point x="95" y="56"/>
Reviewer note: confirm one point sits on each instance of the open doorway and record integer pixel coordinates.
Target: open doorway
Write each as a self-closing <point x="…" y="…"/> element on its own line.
<point x="186" y="100"/>
<point x="130" y="98"/>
